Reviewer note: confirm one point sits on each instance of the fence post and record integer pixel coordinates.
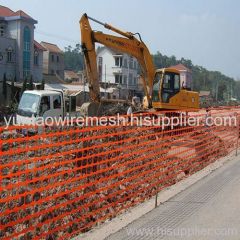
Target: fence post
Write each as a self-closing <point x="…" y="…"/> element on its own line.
<point x="156" y="200"/>
<point x="238" y="129"/>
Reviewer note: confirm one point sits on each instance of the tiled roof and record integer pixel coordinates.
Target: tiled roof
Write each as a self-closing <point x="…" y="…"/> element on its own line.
<point x="70" y="74"/>
<point x="5" y="12"/>
<point x="52" y="79"/>
<point x="51" y="47"/>
<point x="21" y="13"/>
<point x="181" y="67"/>
<point x="39" y="46"/>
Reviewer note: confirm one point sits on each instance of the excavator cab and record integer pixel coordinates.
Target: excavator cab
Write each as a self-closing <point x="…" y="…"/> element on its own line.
<point x="166" y="84"/>
<point x="169" y="93"/>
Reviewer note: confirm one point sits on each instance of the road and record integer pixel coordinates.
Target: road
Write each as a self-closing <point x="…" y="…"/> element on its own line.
<point x="209" y="210"/>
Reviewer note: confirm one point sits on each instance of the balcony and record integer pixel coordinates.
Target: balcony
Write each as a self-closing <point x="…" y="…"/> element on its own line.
<point x="117" y="69"/>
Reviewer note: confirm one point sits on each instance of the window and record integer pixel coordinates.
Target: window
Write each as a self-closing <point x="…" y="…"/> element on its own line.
<point x="131" y="63"/>
<point x="52" y="56"/>
<point x="52" y="72"/>
<point x="125" y="63"/>
<point x="118" y="78"/>
<point x="26" y="51"/>
<point x="28" y="103"/>
<point x="167" y="82"/>
<point x="118" y="61"/>
<point x="57" y="58"/>
<point x="130" y="79"/>
<point x="125" y="79"/>
<point x="57" y="102"/>
<point x="176" y="82"/>
<point x="9" y="55"/>
<point x="135" y="65"/>
<point x="171" y="85"/>
<point x="44" y="105"/>
<point x="171" y="81"/>
<point x="36" y="61"/>
<point x="1" y="31"/>
<point x="135" y="81"/>
<point x="58" y="72"/>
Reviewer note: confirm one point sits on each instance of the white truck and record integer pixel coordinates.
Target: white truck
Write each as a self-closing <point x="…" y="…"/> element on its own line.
<point x="44" y="104"/>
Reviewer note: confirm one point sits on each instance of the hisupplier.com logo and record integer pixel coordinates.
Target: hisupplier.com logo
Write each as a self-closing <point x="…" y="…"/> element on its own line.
<point x="130" y="120"/>
<point x="182" y="232"/>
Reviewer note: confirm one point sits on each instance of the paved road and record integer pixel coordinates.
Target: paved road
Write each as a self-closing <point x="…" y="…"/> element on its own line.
<point x="209" y="209"/>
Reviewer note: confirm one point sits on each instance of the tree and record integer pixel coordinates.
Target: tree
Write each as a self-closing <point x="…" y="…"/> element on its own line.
<point x="73" y="58"/>
<point x="31" y="86"/>
<point x="24" y="86"/>
<point x="4" y="89"/>
<point x="12" y="89"/>
<point x="42" y="84"/>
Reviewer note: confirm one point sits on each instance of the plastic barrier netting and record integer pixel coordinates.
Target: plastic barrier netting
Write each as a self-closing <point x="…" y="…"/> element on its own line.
<point x="59" y="181"/>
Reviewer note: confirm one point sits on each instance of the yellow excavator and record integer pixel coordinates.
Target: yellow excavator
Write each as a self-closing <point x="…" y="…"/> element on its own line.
<point x="162" y="87"/>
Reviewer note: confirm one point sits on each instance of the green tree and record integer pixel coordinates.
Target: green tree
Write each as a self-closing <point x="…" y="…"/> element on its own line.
<point x="31" y="86"/>
<point x="12" y="89"/>
<point x="4" y="88"/>
<point x="24" y="86"/>
<point x="42" y="84"/>
<point x="73" y="58"/>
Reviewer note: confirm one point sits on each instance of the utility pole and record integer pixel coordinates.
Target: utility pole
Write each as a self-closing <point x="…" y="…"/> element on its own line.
<point x="105" y="79"/>
<point x="128" y="72"/>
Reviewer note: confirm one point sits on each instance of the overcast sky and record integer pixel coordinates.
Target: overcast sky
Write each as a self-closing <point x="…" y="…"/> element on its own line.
<point x="205" y="31"/>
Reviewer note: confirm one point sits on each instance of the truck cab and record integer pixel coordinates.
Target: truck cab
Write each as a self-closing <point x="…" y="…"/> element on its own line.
<point x="40" y="103"/>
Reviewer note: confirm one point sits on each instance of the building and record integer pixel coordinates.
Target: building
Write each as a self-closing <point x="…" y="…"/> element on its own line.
<point x="81" y="92"/>
<point x="117" y="68"/>
<point x="71" y="76"/>
<point x="53" y="61"/>
<point x="20" y="56"/>
<point x="185" y="76"/>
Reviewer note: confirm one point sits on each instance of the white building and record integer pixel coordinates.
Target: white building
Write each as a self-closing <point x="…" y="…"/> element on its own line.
<point x="117" y="68"/>
<point x="20" y="55"/>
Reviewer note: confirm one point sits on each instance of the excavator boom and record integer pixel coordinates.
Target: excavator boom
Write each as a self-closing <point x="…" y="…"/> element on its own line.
<point x="162" y="87"/>
<point x="128" y="44"/>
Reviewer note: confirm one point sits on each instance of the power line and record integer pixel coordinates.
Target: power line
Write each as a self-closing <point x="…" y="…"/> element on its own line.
<point x="56" y="36"/>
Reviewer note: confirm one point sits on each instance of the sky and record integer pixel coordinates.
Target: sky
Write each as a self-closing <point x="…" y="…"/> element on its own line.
<point x="205" y="31"/>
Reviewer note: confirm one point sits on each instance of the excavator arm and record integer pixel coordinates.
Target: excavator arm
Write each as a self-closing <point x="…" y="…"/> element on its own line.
<point x="128" y="44"/>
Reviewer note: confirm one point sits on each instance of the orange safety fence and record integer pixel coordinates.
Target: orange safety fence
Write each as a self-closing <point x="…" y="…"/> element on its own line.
<point x="60" y="181"/>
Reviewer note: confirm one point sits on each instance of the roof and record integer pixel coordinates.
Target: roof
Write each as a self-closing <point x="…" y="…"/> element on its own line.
<point x="39" y="46"/>
<point x="70" y="74"/>
<point x="73" y="88"/>
<point x="113" y="51"/>
<point x="51" y="79"/>
<point x="21" y="14"/>
<point x="5" y="11"/>
<point x="180" y="67"/>
<point x="51" y="47"/>
<point x="41" y="92"/>
<point x="204" y="93"/>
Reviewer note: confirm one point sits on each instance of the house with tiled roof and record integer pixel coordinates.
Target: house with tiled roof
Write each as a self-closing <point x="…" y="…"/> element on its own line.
<point x="53" y="61"/>
<point x="21" y="56"/>
<point x="71" y="76"/>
